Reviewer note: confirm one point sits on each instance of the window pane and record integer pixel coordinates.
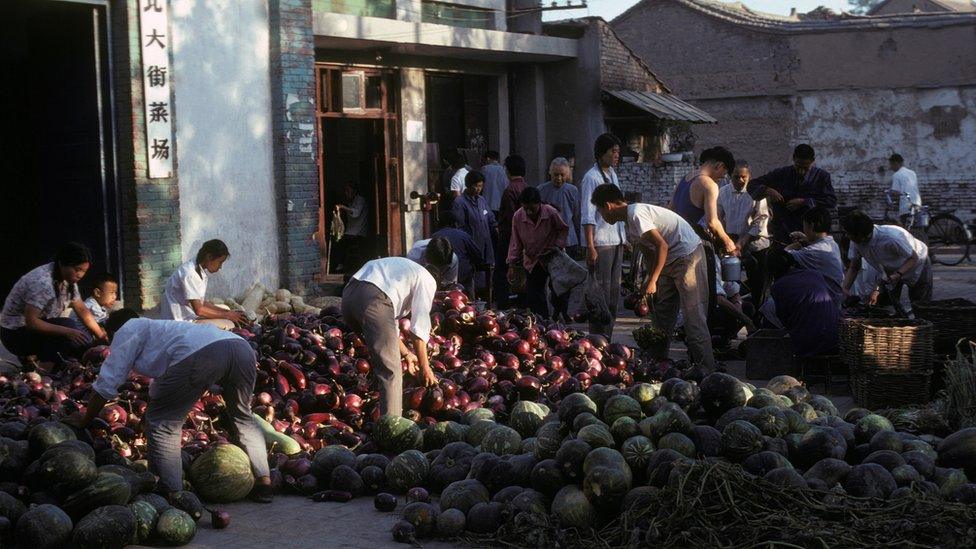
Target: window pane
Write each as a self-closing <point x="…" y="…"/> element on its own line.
<point x="374" y="92"/>
<point x="352" y="91"/>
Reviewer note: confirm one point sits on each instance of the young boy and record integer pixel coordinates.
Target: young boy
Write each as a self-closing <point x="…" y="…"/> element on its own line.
<point x="815" y="250"/>
<point x="104" y="293"/>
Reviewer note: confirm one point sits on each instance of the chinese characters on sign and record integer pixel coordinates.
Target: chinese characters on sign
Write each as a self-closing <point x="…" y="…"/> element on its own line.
<point x="155" y="41"/>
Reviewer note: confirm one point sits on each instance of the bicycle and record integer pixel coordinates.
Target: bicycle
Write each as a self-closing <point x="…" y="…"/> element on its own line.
<point x="949" y="239"/>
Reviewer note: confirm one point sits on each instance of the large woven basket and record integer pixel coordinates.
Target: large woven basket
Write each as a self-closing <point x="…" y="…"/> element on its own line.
<point x="875" y="389"/>
<point x="886" y="344"/>
<point x="953" y="319"/>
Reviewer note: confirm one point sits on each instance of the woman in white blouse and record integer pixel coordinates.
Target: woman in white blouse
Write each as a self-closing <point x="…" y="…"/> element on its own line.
<point x="186" y="289"/>
<point x="33" y="320"/>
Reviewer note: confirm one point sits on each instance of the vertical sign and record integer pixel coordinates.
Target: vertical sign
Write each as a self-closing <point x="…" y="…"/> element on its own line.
<point x="155" y="42"/>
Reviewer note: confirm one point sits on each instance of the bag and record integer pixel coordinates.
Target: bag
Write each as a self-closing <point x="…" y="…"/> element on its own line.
<point x="596" y="302"/>
<point x="564" y="273"/>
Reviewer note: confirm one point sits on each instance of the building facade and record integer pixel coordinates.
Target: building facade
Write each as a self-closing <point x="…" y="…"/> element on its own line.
<point x="856" y="88"/>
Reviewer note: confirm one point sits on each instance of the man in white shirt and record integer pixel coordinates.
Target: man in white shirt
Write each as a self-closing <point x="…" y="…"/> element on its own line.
<point x="353" y="238"/>
<point x="457" y="180"/>
<point x="496" y="180"/>
<point x="893" y="251"/>
<point x="676" y="265"/>
<point x="184" y="359"/>
<point x="746" y="220"/>
<point x="603" y="242"/>
<point x="379" y="294"/>
<point x="904" y="188"/>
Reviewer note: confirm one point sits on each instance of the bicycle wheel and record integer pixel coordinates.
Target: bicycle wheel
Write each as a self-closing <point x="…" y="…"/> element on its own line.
<point x="947" y="240"/>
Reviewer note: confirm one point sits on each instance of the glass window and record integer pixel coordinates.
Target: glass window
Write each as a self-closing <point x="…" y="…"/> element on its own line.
<point x="458" y="16"/>
<point x="352" y="91"/>
<point x="374" y="92"/>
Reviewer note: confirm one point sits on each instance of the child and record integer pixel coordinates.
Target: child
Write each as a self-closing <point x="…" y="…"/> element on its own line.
<point x="816" y="250"/>
<point x="104" y="293"/>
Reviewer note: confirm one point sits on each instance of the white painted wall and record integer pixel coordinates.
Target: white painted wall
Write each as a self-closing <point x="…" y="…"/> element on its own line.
<point x="221" y="84"/>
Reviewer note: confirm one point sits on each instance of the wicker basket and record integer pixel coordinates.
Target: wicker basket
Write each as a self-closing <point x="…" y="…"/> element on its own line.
<point x="953" y="319"/>
<point x="876" y="389"/>
<point x="886" y="344"/>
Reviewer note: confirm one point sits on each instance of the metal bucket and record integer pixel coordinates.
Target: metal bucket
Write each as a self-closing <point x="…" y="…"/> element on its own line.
<point x="731" y="269"/>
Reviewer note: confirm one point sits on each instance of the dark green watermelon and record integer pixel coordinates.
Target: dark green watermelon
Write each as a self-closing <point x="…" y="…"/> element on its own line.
<point x="547" y="477"/>
<point x="451" y="465"/>
<point x="14" y="458"/>
<point x="45" y="435"/>
<point x="869" y="480"/>
<point x="549" y="437"/>
<point x="463" y="495"/>
<point x="175" y="527"/>
<point x="44" y="527"/>
<point x="720" y="392"/>
<point x="107" y="489"/>
<point x="407" y="470"/>
<point x="222" y="474"/>
<point x="396" y="434"/>
<point x="572" y="509"/>
<point x="189" y="503"/>
<point x="959" y="450"/>
<point x="573" y="405"/>
<point x="146" y="517"/>
<point x="345" y="479"/>
<point x="108" y="527"/>
<point x="741" y="439"/>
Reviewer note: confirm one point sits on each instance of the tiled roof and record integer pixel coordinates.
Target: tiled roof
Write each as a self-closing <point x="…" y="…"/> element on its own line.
<point x="820" y="20"/>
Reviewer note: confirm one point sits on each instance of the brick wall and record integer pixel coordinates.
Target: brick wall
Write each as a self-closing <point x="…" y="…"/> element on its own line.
<point x="620" y="68"/>
<point x="946" y="194"/>
<point x="150" y="207"/>
<point x="654" y="183"/>
<point x="295" y="141"/>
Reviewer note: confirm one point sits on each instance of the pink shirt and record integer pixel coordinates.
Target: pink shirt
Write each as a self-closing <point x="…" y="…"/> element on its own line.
<point x="531" y="239"/>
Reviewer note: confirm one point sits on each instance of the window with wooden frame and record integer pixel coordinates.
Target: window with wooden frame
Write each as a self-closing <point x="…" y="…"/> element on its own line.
<point x="352" y="92"/>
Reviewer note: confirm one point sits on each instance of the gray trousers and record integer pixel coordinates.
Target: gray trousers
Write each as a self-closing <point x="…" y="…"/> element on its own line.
<point x="229" y="363"/>
<point x="684" y="283"/>
<point x="367" y="310"/>
<point x="921" y="290"/>
<point x="609" y="262"/>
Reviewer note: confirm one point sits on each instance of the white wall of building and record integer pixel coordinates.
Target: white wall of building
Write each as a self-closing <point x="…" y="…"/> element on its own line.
<point x="222" y="106"/>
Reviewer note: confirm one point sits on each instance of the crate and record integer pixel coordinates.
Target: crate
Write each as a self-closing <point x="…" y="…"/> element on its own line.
<point x="886" y="344"/>
<point x="874" y="389"/>
<point x="769" y="353"/>
<point x="952" y="319"/>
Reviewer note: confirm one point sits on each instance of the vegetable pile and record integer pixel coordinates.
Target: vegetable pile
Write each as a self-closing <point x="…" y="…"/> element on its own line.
<point x="531" y="427"/>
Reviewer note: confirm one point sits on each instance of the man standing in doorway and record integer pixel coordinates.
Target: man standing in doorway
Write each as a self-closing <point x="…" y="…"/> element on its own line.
<point x="792" y="190"/>
<point x="904" y="188"/>
<point x="355" y="228"/>
<point x="603" y="242"/>
<point x="515" y="169"/>
<point x="495" y="181"/>
<point x="461" y="170"/>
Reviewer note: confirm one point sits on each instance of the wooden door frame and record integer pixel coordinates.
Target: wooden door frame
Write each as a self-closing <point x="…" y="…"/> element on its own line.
<point x="389" y="115"/>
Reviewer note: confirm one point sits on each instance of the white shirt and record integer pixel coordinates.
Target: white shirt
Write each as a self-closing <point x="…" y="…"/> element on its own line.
<point x="356" y="217"/>
<point x="495" y="182"/>
<point x="36" y="288"/>
<point x="97" y="311"/>
<point x="740" y="215"/>
<point x="890" y="247"/>
<point x="149" y="347"/>
<point x="417" y="252"/>
<point x="408" y="285"/>
<point x="183" y="285"/>
<point x="822" y="256"/>
<point x="604" y="234"/>
<point x="457" y="181"/>
<point x="678" y="234"/>
<point x="905" y="183"/>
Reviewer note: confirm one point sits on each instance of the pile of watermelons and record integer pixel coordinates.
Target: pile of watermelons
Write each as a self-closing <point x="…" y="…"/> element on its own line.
<point x="582" y="464"/>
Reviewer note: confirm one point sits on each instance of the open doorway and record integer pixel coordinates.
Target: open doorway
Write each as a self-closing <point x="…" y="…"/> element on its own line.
<point x="57" y="139"/>
<point x="359" y="141"/>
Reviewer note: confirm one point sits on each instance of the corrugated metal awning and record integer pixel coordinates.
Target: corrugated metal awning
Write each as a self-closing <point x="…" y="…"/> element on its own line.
<point x="663" y="105"/>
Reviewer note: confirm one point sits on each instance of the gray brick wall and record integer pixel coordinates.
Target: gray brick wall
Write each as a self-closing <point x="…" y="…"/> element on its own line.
<point x="295" y="140"/>
<point x="150" y="207"/>
<point x="620" y="68"/>
<point x="654" y="183"/>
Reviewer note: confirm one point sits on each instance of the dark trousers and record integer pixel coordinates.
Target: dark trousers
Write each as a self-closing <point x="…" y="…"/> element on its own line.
<point x="755" y="267"/>
<point x="500" y="282"/>
<point x="535" y="291"/>
<point x="25" y="342"/>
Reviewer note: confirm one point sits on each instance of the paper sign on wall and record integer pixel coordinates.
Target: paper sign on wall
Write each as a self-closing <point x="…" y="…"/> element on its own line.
<point x="415" y="131"/>
<point x="155" y="41"/>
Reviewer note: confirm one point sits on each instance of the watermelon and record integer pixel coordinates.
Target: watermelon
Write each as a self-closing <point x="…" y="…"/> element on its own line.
<point x="830" y="471"/>
<point x="643" y="393"/>
<point x="606" y="486"/>
<point x="345" y="479"/>
<point x="14" y="458"/>
<point x="532" y="502"/>
<point x="640" y="497"/>
<point x="570" y="459"/>
<point x="772" y="421"/>
<point x="948" y="479"/>
<point x="885" y="458"/>
<point x="330" y="457"/>
<point x="105" y="527"/>
<point x="819" y="443"/>
<point x="374" y="479"/>
<point x="407" y="470"/>
<point x="869" y="480"/>
<point x="596" y="436"/>
<point x="603" y="457"/>
<point x="906" y="475"/>
<point x="451" y="465"/>
<point x="685" y="394"/>
<point x="572" y="508"/>
<point x="82" y="448"/>
<point x="920" y="446"/>
<point x="679" y="443"/>
<point x="637" y="451"/>
<point x="485" y="518"/>
<point x="586" y="418"/>
<point x="573" y="405"/>
<point x="547" y="478"/>
<point x="108" y="489"/>
<point x="423" y="517"/>
<point x="11" y="508"/>
<point x="502" y="440"/>
<point x="743" y="413"/>
<point x="158" y="502"/>
<point x="707" y="439"/>
<point x="507" y="494"/>
<point x="887" y="440"/>
<point x="478" y="430"/>
<point x="529" y="446"/>
<point x="396" y="434"/>
<point x="619" y="406"/>
<point x="471" y="416"/>
<point x="450" y="524"/>
<point x="779" y="385"/>
<point x="43" y="527"/>
<point x="624" y="428"/>
<point x="549" y="437"/>
<point x="442" y="433"/>
<point x="222" y="474"/>
<point x="146" y="517"/>
<point x="870" y="425"/>
<point x="959" y="450"/>
<point x="463" y="495"/>
<point x="764" y="462"/>
<point x="45" y="435"/>
<point x="740" y="439"/>
<point x="822" y="404"/>
<point x="785" y="476"/>
<point x="526" y="417"/>
<point x="720" y="392"/>
<point x="189" y="503"/>
<point x="175" y="527"/>
<point x="376" y="460"/>
<point x="660" y="465"/>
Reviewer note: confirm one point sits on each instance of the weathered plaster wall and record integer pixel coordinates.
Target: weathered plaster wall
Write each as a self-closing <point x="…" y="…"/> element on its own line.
<point x="223" y="135"/>
<point x="412" y="111"/>
<point x="574" y="113"/>
<point x="856" y="131"/>
<point x="756" y="129"/>
<point x="654" y="183"/>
